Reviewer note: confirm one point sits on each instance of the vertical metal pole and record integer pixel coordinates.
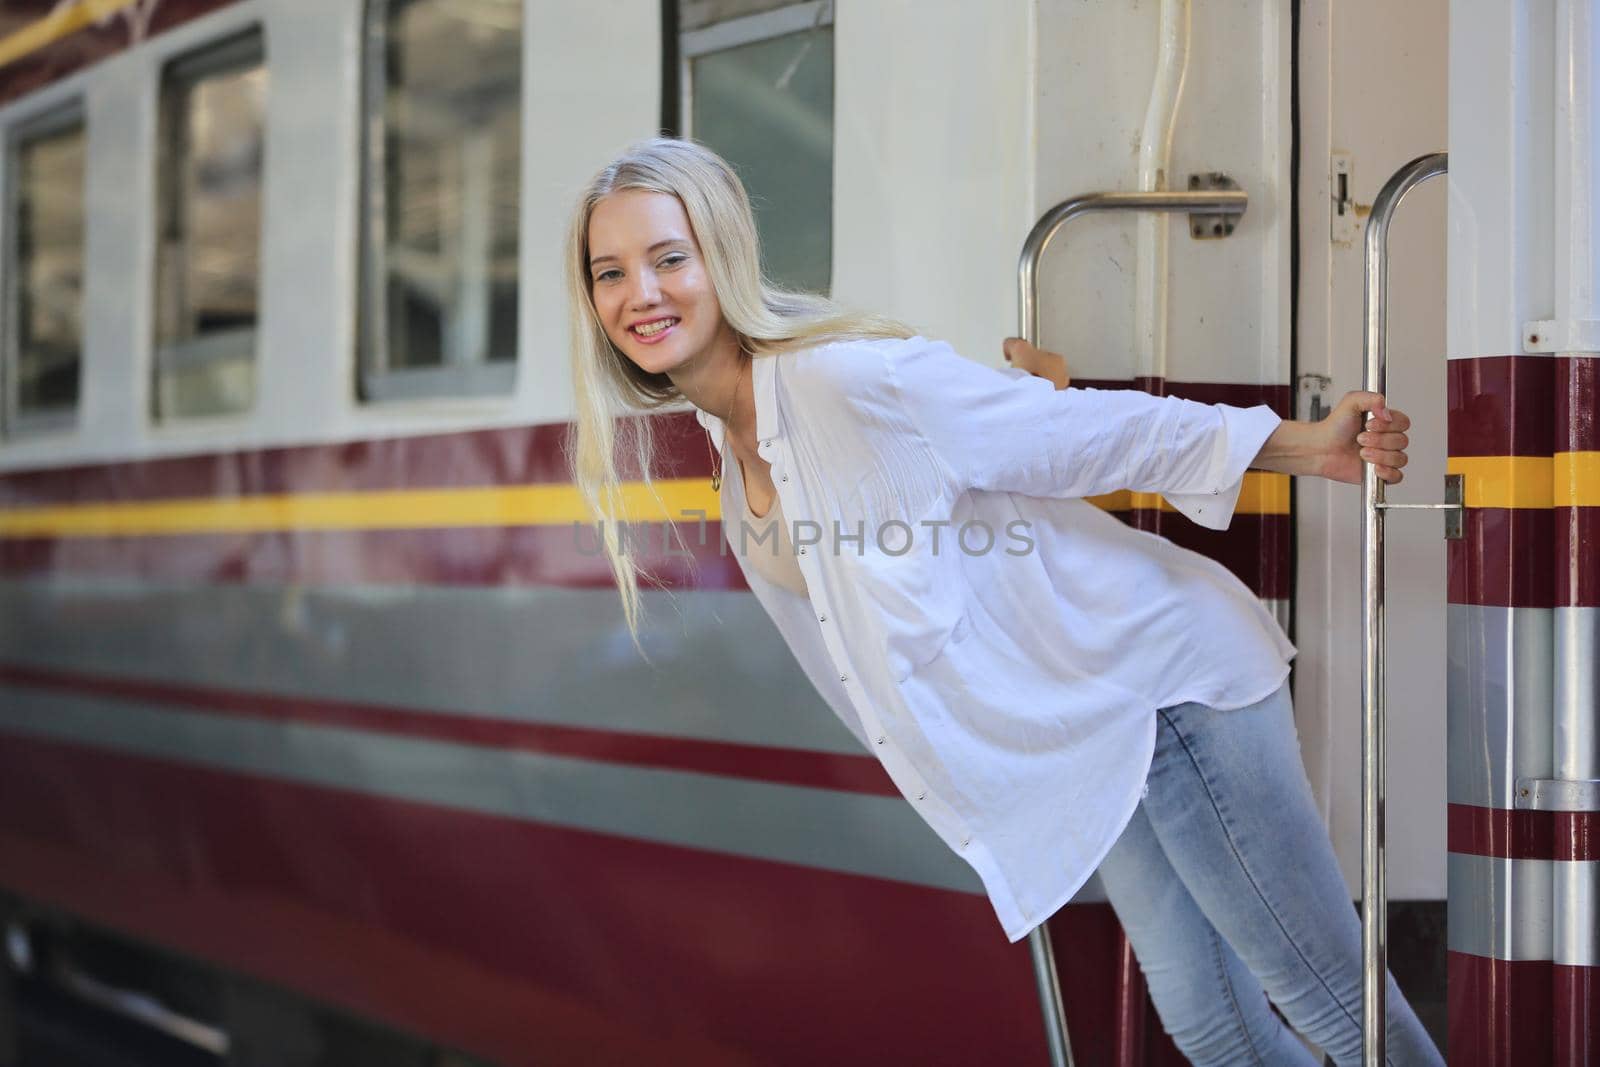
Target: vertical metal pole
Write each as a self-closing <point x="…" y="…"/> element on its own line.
<point x="1374" y="892"/>
<point x="1221" y="202"/>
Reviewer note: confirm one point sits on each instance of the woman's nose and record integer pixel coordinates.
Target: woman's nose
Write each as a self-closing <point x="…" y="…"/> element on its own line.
<point x="644" y="291"/>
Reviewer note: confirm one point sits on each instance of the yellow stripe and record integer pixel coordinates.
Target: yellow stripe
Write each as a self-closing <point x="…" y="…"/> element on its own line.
<point x="1569" y="479"/>
<point x="61" y="22"/>
<point x="418" y="509"/>
<point x="1504" y="481"/>
<point x="1576" y="482"/>
<point x="394" y="509"/>
<point x="1263" y="493"/>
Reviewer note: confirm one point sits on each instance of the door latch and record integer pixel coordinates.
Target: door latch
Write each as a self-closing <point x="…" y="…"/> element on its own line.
<point x="1454" y="506"/>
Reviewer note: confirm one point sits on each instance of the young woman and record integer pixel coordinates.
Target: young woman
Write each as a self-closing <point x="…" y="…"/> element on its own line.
<point x="1053" y="691"/>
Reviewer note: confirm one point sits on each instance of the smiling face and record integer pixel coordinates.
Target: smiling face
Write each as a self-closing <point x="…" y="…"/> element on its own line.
<point x="650" y="286"/>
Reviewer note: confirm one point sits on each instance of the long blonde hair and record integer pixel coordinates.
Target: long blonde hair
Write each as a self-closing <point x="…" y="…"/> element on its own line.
<point x="768" y="321"/>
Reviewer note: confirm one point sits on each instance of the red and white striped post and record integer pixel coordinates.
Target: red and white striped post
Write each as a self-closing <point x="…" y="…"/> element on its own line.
<point x="1524" y="345"/>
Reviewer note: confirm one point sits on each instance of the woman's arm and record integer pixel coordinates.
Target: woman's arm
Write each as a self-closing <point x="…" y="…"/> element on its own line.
<point x="1009" y="430"/>
<point x="1333" y="448"/>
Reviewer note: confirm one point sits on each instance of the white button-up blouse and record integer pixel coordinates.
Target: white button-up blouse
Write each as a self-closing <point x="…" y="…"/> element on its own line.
<point x="998" y="643"/>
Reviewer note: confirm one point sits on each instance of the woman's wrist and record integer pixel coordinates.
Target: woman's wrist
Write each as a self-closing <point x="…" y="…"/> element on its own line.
<point x="1293" y="448"/>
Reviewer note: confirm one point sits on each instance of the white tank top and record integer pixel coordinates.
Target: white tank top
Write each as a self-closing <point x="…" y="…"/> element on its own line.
<point x="774" y="558"/>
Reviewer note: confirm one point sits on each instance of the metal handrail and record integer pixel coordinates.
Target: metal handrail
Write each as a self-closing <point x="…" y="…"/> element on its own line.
<point x="1374" y="892"/>
<point x="1208" y="202"/>
<point x="1204" y="202"/>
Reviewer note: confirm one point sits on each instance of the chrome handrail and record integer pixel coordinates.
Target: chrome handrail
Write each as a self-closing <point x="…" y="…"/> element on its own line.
<point x="1204" y="202"/>
<point x="1207" y="202"/>
<point x="1374" y="892"/>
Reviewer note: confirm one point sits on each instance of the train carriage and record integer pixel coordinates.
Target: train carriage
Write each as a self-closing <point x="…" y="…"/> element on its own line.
<point x="322" y="739"/>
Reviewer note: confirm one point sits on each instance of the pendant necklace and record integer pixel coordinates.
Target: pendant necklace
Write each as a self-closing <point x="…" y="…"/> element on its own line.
<point x="727" y="428"/>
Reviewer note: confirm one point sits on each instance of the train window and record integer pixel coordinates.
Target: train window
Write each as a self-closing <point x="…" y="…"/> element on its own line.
<point x="44" y="261"/>
<point x="442" y="146"/>
<point x="211" y="137"/>
<point x="758" y="88"/>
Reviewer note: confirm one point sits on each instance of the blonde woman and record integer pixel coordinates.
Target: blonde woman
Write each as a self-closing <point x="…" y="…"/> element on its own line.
<point x="1052" y="691"/>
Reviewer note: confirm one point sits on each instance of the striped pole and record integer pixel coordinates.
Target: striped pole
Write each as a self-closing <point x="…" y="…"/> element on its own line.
<point x="1575" y="976"/>
<point x="1571" y="336"/>
<point x="1524" y="341"/>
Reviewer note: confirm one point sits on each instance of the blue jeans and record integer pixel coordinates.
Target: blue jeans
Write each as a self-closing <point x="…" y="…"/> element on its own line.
<point x="1226" y="883"/>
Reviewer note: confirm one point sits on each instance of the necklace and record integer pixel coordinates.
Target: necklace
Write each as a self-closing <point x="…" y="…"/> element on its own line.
<point x="727" y="428"/>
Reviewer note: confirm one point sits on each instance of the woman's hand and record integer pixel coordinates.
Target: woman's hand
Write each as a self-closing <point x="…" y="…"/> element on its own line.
<point x="1336" y="447"/>
<point x="1036" y="361"/>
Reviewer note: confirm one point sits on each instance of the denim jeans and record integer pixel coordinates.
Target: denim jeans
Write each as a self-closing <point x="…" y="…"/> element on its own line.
<point x="1227" y="886"/>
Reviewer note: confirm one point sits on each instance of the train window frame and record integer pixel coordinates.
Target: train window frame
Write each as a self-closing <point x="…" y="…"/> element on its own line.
<point x="239" y="50"/>
<point x="376" y="381"/>
<point x="49" y="121"/>
<point x="738" y="31"/>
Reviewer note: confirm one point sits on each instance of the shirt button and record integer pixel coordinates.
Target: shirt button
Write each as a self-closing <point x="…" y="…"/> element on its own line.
<point x="922" y="794"/>
<point x="822" y="618"/>
<point x="783" y="478"/>
<point x="802" y="551"/>
<point x="964" y="841"/>
<point x="880" y="740"/>
<point x="844" y="677"/>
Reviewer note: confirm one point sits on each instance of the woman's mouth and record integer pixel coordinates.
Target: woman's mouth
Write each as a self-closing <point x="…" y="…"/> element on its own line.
<point x="654" y="330"/>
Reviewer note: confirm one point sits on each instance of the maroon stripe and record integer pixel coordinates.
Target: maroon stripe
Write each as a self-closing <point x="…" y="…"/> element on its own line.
<point x="1499" y="1011"/>
<point x="1280" y="398"/>
<point x="466" y="556"/>
<point x="85" y="47"/>
<point x="1575" y="998"/>
<point x="1577" y="547"/>
<point x="1577" y="557"/>
<point x="499" y="457"/>
<point x="1577" y="404"/>
<point x="816" y="770"/>
<point x="1506" y="558"/>
<point x="1501" y="406"/>
<point x="1576" y="835"/>
<point x="1254" y="547"/>
<point x="511" y="456"/>
<point x="515" y="941"/>
<point x="1518" y="834"/>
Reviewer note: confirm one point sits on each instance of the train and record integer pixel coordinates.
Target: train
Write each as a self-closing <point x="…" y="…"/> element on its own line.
<point x="322" y="738"/>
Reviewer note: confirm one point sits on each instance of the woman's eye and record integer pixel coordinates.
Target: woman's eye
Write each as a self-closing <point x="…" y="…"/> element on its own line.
<point x="673" y="260"/>
<point x="603" y="275"/>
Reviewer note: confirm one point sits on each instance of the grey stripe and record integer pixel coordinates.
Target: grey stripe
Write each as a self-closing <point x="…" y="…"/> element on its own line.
<point x="1499" y="694"/>
<point x="1500" y="908"/>
<point x="538" y="655"/>
<point x="853" y="833"/>
<point x="1576" y="937"/>
<point x="1577" y="699"/>
<point x="1577" y="696"/>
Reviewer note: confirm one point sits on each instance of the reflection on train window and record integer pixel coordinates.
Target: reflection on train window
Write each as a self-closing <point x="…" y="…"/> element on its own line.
<point x="208" y="255"/>
<point x="442" y="142"/>
<point x="44" y="272"/>
<point x="758" y="88"/>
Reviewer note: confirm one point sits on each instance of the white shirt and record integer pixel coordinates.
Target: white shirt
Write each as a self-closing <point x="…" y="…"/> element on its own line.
<point x="1009" y="694"/>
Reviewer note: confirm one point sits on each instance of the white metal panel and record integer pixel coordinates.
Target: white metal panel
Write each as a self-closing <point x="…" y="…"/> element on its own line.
<point x="1229" y="299"/>
<point x="933" y="164"/>
<point x="1501" y="173"/>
